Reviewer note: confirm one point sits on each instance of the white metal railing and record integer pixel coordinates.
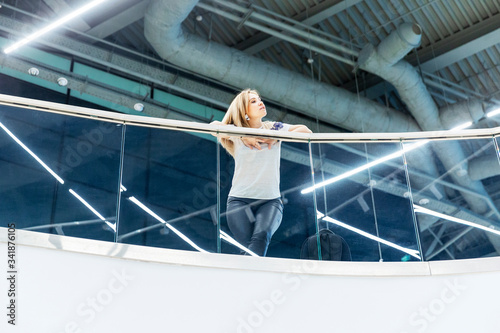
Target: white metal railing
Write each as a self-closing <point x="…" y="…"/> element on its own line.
<point x="179" y="125"/>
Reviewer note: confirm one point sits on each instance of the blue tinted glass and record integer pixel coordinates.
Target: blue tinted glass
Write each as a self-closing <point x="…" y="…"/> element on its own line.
<point x="59" y="173"/>
<point x="362" y="196"/>
<point x="453" y="189"/>
<point x="169" y="196"/>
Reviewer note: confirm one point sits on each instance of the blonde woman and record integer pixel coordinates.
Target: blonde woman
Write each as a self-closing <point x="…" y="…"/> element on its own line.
<point x="254" y="207"/>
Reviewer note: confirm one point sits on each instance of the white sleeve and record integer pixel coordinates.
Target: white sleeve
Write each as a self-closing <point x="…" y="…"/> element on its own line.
<point x="279" y="126"/>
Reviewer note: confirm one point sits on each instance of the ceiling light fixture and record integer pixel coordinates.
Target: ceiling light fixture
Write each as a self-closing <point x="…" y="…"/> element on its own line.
<point x="413" y="253"/>
<point x="63" y="82"/>
<point x="364" y="167"/>
<point x="139" y="107"/>
<point x="493" y="113"/>
<point x="92" y="209"/>
<point x="19" y="142"/>
<point x="52" y="26"/>
<point x="153" y="214"/>
<point x="230" y="240"/>
<point x="419" y="209"/>
<point x="33" y="71"/>
<point x="406" y="149"/>
<point x="461" y="127"/>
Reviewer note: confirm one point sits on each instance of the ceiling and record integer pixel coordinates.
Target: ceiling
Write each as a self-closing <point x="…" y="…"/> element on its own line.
<point x="458" y="57"/>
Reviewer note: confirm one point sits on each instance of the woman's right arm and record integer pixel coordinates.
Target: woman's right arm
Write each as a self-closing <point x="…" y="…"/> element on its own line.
<point x="248" y="141"/>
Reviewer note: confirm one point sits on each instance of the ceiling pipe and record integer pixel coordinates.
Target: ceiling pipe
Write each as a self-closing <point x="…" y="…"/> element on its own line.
<point x="471" y="110"/>
<point x="384" y="61"/>
<point x="484" y="167"/>
<point x="328" y="103"/>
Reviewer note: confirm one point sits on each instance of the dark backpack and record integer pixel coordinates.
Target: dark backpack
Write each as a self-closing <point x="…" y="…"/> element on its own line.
<point x="333" y="247"/>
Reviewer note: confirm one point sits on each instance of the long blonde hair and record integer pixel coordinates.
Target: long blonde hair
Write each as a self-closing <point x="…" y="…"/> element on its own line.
<point x="235" y="115"/>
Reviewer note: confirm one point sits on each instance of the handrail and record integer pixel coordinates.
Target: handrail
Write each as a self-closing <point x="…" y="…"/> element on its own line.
<point x="179" y="125"/>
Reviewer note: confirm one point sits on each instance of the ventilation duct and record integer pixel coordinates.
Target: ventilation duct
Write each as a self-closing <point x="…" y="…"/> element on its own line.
<point x="383" y="61"/>
<point x="484" y="167"/>
<point x="460" y="113"/>
<point x="330" y="104"/>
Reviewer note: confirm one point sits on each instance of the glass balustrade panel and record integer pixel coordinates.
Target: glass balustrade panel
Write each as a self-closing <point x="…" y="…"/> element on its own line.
<point x="244" y="220"/>
<point x="59" y="173"/>
<point x="453" y="186"/>
<point x="169" y="190"/>
<point x="362" y="198"/>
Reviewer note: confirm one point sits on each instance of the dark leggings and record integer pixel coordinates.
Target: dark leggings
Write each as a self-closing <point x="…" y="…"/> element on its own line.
<point x="254" y="221"/>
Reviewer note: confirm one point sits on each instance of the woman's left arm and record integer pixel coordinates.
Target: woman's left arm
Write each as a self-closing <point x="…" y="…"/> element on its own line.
<point x="299" y="128"/>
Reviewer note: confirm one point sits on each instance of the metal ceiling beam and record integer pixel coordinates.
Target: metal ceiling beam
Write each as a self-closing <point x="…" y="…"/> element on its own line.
<point x="84" y="85"/>
<point x="460" y="46"/>
<point x="276" y="31"/>
<point x="119" y="21"/>
<point x="446" y="52"/>
<point x="327" y="9"/>
<point x="199" y="91"/>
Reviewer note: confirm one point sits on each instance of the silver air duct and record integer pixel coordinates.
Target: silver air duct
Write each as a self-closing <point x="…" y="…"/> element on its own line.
<point x="383" y="61"/>
<point x="330" y="104"/>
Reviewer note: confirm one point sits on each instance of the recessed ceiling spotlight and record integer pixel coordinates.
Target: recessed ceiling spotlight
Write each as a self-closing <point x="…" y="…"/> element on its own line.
<point x="199" y="18"/>
<point x="423" y="201"/>
<point x="139" y="107"/>
<point x="33" y="71"/>
<point x="63" y="82"/>
<point x="310" y="60"/>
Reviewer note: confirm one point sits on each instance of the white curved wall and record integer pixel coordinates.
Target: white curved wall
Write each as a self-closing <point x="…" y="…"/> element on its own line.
<point x="68" y="284"/>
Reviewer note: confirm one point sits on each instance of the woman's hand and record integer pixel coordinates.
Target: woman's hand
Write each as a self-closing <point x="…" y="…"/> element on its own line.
<point x="252" y="143"/>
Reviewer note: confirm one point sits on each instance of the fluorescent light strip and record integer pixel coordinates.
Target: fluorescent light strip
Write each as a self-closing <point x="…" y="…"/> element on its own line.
<point x="408" y="148"/>
<point x="153" y="214"/>
<point x="493" y="113"/>
<point x="411" y="252"/>
<point x="32" y="154"/>
<point x="229" y="239"/>
<point x="52" y="26"/>
<point x="92" y="209"/>
<point x="461" y="127"/>
<point x="420" y="209"/>
<point x="364" y="167"/>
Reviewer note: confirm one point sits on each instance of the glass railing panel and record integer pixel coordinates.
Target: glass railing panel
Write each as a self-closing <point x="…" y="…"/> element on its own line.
<point x="169" y="194"/>
<point x="453" y="186"/>
<point x="59" y="173"/>
<point x="362" y="196"/>
<point x="290" y="216"/>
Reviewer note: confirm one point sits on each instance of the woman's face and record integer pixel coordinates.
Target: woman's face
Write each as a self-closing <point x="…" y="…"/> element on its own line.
<point x="256" y="108"/>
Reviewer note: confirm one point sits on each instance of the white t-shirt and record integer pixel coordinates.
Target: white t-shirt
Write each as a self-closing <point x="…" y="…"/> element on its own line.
<point x="257" y="172"/>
